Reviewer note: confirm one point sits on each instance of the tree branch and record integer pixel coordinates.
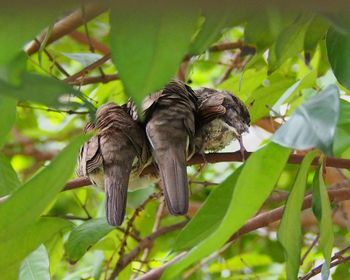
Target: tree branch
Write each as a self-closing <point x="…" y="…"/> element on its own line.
<point x="68" y="24"/>
<point x="222" y="157"/>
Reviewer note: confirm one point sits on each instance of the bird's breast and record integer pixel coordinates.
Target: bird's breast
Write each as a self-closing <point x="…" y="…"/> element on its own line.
<point x="217" y="135"/>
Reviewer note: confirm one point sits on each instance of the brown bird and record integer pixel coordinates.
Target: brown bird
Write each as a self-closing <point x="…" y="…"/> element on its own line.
<point x="222" y="117"/>
<point x="170" y="129"/>
<point x="118" y="149"/>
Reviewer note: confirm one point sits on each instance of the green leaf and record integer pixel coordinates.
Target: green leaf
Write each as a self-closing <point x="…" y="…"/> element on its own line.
<point x="26" y="23"/>
<point x="338" y="52"/>
<point x="290" y="41"/>
<point x="315" y="32"/>
<point x="149" y="41"/>
<point x="323" y="212"/>
<point x="209" y="216"/>
<point x="216" y="19"/>
<point x="312" y="124"/>
<point x="289" y="231"/>
<point x="37" y="88"/>
<point x="8" y="113"/>
<point x="84" y="236"/>
<point x="264" y="97"/>
<point x="26" y="204"/>
<point x="249" y="194"/>
<point x="8" y="177"/>
<point x="342" y="133"/>
<point x="23" y="242"/>
<point x="36" y="266"/>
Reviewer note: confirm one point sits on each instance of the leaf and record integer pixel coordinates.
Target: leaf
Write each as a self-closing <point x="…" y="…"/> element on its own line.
<point x="149" y="41"/>
<point x="290" y="41"/>
<point x="338" y="52"/>
<point x="26" y="204"/>
<point x="209" y="216"/>
<point x="8" y="113"/>
<point x="216" y="19"/>
<point x="342" y="133"/>
<point x="312" y="124"/>
<point x="315" y="32"/>
<point x="323" y="212"/>
<point x="8" y="177"/>
<point x="13" y="251"/>
<point x="84" y="59"/>
<point x="36" y="266"/>
<point x="307" y="81"/>
<point x="37" y="88"/>
<point x="84" y="236"/>
<point x="289" y="231"/>
<point x="265" y="97"/>
<point x="249" y="194"/>
<point x="26" y="23"/>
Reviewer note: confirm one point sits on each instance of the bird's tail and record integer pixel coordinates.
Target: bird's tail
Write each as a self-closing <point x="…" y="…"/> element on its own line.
<point x="172" y="168"/>
<point x="116" y="188"/>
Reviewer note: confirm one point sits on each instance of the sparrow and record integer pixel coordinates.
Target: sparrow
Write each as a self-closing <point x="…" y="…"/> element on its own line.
<point x="170" y="129"/>
<point x="222" y="117"/>
<point x="118" y="148"/>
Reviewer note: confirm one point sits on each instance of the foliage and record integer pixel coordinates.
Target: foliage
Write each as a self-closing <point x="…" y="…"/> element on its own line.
<point x="290" y="68"/>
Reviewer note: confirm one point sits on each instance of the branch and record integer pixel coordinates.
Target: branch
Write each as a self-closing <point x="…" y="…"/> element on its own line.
<point x="82" y="38"/>
<point x="222" y="157"/>
<point x="68" y="24"/>
<point x="266" y="218"/>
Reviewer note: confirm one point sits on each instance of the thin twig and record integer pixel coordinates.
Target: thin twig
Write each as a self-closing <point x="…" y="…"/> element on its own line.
<point x="313" y="244"/>
<point x="69" y="112"/>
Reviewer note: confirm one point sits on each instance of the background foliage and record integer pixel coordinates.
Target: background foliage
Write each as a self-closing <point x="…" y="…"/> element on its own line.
<point x="290" y="66"/>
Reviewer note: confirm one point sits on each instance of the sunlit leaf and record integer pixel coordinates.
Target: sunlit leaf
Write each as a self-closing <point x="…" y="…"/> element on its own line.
<point x="26" y="204"/>
<point x="25" y="241"/>
<point x="289" y="231"/>
<point x="248" y="196"/>
<point x="149" y="58"/>
<point x="312" y="124"/>
<point x="8" y="113"/>
<point x="323" y="212"/>
<point x="338" y="52"/>
<point x="342" y="133"/>
<point x="36" y="266"/>
<point x="209" y="215"/>
<point x="84" y="236"/>
<point x="8" y="177"/>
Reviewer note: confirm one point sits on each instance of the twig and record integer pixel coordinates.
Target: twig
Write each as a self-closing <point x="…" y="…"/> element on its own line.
<point x="93" y="80"/>
<point x="145" y="243"/>
<point x="309" y="249"/>
<point x="223" y="157"/>
<point x="68" y="24"/>
<point x="69" y="112"/>
<point x="81" y="38"/>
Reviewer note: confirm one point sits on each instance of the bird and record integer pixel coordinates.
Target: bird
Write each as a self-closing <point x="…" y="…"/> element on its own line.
<point x="118" y="148"/>
<point x="221" y="118"/>
<point x="169" y="117"/>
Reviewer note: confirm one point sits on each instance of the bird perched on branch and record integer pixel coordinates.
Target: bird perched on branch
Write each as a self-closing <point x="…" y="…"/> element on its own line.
<point x="118" y="148"/>
<point x="222" y="117"/>
<point x="170" y="129"/>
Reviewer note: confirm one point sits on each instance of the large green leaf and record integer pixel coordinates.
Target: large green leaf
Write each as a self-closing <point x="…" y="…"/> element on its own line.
<point x="215" y="20"/>
<point x="36" y="266"/>
<point x="26" y="204"/>
<point x="323" y="212"/>
<point x="290" y="41"/>
<point x="249" y="194"/>
<point x="8" y="113"/>
<point x="84" y="236"/>
<point x="21" y="22"/>
<point x="312" y="124"/>
<point x="289" y="231"/>
<point x="8" y="177"/>
<point x="209" y="215"/>
<point x="13" y="251"/>
<point x="148" y="42"/>
<point x="264" y="97"/>
<point x="342" y="133"/>
<point x="37" y="88"/>
<point x="338" y="52"/>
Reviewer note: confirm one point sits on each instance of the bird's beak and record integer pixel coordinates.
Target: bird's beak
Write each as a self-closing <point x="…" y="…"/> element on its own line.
<point x="246" y="128"/>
